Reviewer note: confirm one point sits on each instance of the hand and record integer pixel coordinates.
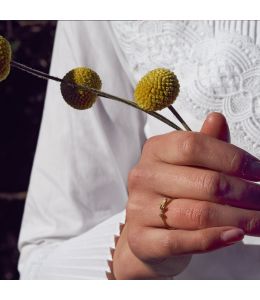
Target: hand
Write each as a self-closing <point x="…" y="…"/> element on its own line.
<point x="201" y="174"/>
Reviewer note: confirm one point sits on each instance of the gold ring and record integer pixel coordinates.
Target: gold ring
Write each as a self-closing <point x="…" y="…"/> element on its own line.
<point x="163" y="209"/>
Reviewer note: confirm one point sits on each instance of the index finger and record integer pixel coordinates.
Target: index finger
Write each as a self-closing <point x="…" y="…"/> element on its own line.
<point x="200" y="150"/>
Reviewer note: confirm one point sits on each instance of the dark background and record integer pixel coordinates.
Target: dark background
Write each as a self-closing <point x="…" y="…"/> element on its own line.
<point x="21" y="105"/>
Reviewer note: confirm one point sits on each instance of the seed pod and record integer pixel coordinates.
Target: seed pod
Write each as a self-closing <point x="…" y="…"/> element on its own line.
<point x="75" y="96"/>
<point x="5" y="58"/>
<point x="158" y="89"/>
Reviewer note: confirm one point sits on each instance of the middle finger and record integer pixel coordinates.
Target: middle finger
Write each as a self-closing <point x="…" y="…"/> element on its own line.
<point x="201" y="184"/>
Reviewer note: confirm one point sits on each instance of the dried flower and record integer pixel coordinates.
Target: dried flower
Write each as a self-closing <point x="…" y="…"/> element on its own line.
<point x="157" y="89"/>
<point x="74" y="95"/>
<point x="81" y="86"/>
<point x="5" y="58"/>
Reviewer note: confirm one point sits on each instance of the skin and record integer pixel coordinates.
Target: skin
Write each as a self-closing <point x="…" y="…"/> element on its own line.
<point x="215" y="201"/>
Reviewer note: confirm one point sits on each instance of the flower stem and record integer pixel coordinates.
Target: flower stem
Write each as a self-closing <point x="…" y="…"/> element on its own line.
<point x="46" y="76"/>
<point x="133" y="104"/>
<point x="34" y="72"/>
<point x="176" y="114"/>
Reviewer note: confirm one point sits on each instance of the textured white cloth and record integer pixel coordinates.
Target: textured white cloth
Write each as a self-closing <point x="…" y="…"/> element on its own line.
<point x="78" y="189"/>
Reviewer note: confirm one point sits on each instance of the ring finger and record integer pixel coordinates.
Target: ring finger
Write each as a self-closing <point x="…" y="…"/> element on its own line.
<point x="191" y="214"/>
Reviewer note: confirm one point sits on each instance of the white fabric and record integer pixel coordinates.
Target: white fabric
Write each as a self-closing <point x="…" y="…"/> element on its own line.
<point x="217" y="62"/>
<point x="82" y="159"/>
<point x="78" y="186"/>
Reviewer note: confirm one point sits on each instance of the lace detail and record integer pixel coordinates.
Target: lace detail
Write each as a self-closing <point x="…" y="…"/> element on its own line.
<point x="218" y="67"/>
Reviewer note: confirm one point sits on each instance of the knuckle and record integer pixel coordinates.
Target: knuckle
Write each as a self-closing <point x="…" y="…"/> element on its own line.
<point x="149" y="144"/>
<point x="215" y="184"/>
<point x="189" y="145"/>
<point x="201" y="215"/>
<point x="135" y="176"/>
<point x="141" y="176"/>
<point x="136" y="212"/>
<point x="131" y="210"/>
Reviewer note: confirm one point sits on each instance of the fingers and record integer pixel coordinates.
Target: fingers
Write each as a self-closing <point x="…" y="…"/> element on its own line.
<point x="200" y="150"/>
<point x="188" y="214"/>
<point x="216" y="126"/>
<point x="154" y="244"/>
<point x="194" y="183"/>
<point x="192" y="214"/>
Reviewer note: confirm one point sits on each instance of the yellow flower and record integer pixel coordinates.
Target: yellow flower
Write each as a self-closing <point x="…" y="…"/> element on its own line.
<point x="75" y="96"/>
<point x="158" y="89"/>
<point x="5" y="58"/>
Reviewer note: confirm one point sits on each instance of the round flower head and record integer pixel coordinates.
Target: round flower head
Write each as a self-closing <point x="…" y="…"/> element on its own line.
<point x="5" y="58"/>
<point x="157" y="89"/>
<point x="75" y="96"/>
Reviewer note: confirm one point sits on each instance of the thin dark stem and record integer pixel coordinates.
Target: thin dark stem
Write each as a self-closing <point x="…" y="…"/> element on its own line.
<point x="133" y="104"/>
<point x="176" y="114"/>
<point x="46" y="76"/>
<point x="34" y="71"/>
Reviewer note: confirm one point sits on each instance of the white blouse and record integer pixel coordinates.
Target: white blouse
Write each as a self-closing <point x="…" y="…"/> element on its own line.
<point x="78" y="188"/>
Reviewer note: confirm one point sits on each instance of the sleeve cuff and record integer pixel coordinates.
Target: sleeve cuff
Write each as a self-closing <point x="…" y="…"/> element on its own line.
<point x="88" y="256"/>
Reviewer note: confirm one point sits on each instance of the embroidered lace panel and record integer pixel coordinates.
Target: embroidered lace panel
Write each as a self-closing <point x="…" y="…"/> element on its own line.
<point x="217" y="63"/>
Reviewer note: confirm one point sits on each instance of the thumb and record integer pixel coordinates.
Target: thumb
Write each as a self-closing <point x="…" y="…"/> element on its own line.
<point x="216" y="126"/>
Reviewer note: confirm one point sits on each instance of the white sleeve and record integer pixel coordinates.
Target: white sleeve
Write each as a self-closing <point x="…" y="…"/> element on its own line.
<point x="78" y="190"/>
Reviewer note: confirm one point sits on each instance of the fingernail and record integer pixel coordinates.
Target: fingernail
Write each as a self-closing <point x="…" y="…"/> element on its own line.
<point x="232" y="235"/>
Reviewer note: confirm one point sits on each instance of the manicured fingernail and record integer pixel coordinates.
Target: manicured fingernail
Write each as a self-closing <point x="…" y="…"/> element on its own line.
<point x="232" y="235"/>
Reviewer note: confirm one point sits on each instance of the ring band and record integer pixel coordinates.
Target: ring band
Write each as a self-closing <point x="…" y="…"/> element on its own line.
<point x="163" y="209"/>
